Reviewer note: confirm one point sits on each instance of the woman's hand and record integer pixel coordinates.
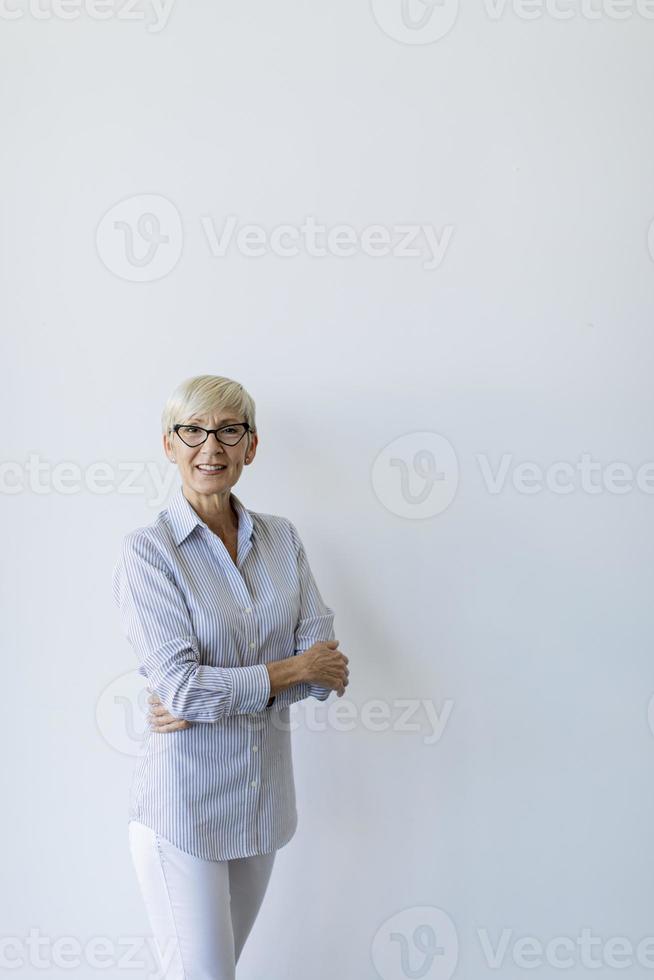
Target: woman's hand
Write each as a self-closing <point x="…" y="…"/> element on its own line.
<point x="161" y="720"/>
<point x="325" y="665"/>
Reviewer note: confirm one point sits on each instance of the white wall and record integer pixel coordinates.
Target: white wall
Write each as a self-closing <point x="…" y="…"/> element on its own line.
<point x="523" y="620"/>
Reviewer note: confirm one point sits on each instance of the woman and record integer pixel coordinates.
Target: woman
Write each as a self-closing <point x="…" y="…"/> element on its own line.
<point x="229" y="628"/>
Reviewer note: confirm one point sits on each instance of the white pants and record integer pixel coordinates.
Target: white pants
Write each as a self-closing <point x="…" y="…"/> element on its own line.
<point x="200" y="912"/>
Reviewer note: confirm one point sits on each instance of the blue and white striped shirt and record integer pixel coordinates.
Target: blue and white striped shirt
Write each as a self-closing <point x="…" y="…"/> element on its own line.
<point x="203" y="629"/>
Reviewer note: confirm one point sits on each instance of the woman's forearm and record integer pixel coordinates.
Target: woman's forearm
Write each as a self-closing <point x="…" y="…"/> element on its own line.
<point x="285" y="673"/>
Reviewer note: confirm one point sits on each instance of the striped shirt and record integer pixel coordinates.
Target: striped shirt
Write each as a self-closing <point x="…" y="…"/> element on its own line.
<point x="203" y="629"/>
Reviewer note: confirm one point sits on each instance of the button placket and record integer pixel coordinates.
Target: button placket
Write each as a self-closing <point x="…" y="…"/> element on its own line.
<point x="255" y="762"/>
<point x="239" y="588"/>
<point x="249" y="627"/>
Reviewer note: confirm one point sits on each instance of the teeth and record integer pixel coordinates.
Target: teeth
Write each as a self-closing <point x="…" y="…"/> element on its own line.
<point x="211" y="469"/>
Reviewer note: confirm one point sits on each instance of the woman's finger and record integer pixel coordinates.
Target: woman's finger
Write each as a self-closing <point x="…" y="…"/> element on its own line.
<point x="170" y="726"/>
<point x="163" y="718"/>
<point x="164" y="728"/>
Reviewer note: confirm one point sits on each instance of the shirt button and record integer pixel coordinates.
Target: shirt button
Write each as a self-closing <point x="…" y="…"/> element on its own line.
<point x="252" y="646"/>
<point x="247" y="609"/>
<point x="253" y="783"/>
<point x="255" y="748"/>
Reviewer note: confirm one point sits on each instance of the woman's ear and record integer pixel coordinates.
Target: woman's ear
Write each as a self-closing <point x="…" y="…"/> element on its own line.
<point x="168" y="449"/>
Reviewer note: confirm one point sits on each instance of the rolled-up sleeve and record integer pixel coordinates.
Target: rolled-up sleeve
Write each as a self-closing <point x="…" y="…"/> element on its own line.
<point x="158" y="625"/>
<point x="315" y="622"/>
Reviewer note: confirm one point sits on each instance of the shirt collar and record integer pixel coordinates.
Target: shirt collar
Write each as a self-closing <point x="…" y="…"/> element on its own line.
<point x="183" y="518"/>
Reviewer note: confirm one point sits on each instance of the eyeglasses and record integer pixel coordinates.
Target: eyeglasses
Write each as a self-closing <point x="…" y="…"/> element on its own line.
<point x="195" y="435"/>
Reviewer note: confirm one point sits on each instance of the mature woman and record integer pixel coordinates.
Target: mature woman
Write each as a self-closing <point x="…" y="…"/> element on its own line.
<point x="226" y="619"/>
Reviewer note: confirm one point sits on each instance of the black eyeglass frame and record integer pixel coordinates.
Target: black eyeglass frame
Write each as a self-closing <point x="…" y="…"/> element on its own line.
<point x="207" y="432"/>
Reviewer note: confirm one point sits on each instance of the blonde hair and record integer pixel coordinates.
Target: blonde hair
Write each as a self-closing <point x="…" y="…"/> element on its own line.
<point x="206" y="393"/>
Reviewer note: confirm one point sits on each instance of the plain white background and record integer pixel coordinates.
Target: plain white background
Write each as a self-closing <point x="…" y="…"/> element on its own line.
<point x="388" y="394"/>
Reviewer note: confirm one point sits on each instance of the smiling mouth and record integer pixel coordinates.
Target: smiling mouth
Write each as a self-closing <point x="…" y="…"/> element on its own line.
<point x="210" y="469"/>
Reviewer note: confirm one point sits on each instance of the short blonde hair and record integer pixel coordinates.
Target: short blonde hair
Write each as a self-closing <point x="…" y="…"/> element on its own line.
<point x="207" y="393"/>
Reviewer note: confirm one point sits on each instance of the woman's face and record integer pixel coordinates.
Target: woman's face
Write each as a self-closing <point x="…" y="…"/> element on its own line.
<point x="193" y="461"/>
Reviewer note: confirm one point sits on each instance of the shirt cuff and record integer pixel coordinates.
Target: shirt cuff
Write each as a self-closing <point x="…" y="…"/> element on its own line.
<point x="250" y="689"/>
<point x="322" y="693"/>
